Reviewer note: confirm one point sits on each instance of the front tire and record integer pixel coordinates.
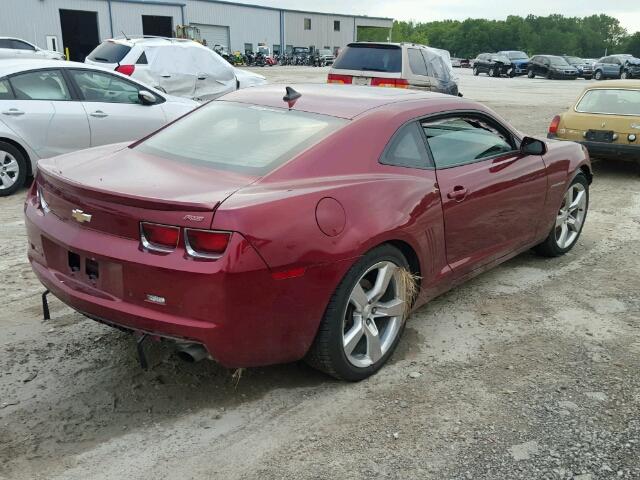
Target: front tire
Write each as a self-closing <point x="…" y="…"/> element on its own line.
<point x="569" y="220"/>
<point x="476" y="72"/>
<point x="530" y="74"/>
<point x="492" y="72"/>
<point x="364" y="319"/>
<point x="598" y="75"/>
<point x="13" y="169"/>
<point x="624" y="75"/>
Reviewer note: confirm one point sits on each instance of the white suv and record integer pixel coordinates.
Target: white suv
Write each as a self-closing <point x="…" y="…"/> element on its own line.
<point x="399" y="65"/>
<point x="16" y="48"/>
<point x="179" y="67"/>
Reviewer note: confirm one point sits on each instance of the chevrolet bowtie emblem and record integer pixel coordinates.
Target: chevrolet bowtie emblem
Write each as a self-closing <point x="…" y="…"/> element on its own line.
<point x="80" y="216"/>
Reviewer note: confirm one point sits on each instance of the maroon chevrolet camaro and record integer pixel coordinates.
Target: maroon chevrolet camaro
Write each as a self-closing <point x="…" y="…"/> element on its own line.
<point x="261" y="229"/>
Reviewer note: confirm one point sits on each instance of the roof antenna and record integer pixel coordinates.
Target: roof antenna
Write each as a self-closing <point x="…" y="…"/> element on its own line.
<point x="125" y="35"/>
<point x="291" y="97"/>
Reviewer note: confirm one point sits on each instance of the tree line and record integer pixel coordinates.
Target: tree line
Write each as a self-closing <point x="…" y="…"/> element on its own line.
<point x="587" y="37"/>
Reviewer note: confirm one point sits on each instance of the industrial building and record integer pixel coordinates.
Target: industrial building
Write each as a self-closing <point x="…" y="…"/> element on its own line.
<point x="80" y="25"/>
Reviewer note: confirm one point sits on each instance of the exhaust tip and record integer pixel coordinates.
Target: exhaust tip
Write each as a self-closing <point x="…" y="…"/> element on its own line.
<point x="192" y="353"/>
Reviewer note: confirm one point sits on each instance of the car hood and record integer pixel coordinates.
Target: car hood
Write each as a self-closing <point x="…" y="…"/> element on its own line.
<point x="249" y="79"/>
<point x="124" y="175"/>
<point x="632" y="61"/>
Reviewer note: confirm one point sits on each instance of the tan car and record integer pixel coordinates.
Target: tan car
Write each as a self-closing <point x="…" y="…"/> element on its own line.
<point x="605" y="119"/>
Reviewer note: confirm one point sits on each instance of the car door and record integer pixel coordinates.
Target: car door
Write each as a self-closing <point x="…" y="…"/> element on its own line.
<point x="24" y="50"/>
<point x="114" y="108"/>
<point x="44" y="114"/>
<point x="492" y="194"/>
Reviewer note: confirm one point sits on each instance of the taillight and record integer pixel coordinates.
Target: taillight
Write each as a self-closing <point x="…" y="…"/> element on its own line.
<point x="161" y="238"/>
<point x="42" y="202"/>
<point x="342" y="79"/>
<point x="205" y="243"/>
<point x="553" y="127"/>
<point x="389" y="82"/>
<point x="126" y="69"/>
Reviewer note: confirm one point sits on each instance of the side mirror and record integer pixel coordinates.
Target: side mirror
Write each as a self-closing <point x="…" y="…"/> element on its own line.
<point x="146" y="97"/>
<point x="532" y="146"/>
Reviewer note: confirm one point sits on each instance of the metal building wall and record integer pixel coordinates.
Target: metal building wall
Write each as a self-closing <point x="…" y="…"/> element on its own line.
<point x="33" y="20"/>
<point x="246" y="24"/>
<point x="321" y="34"/>
<point x="127" y="17"/>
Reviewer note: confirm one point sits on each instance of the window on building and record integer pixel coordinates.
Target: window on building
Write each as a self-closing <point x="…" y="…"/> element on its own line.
<point x="289" y="49"/>
<point x="248" y="47"/>
<point x="276" y="49"/>
<point x="336" y="25"/>
<point x="307" y="24"/>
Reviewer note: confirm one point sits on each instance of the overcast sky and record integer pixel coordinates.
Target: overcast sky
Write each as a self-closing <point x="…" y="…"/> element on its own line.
<point x="627" y="11"/>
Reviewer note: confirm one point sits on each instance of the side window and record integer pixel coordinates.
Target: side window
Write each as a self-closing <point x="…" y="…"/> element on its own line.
<point x="20" y="45"/>
<point x="617" y="61"/>
<point x="455" y="141"/>
<point x="104" y="87"/>
<point x="416" y="62"/>
<point x="5" y="43"/>
<point x="40" y="85"/>
<point x="142" y="60"/>
<point x="407" y="149"/>
<point x="5" y="90"/>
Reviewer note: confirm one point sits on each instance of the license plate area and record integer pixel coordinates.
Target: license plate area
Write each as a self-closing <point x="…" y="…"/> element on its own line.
<point x="361" y="81"/>
<point x="604" y="136"/>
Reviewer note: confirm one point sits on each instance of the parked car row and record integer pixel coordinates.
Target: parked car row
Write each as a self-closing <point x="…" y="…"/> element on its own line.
<point x="512" y="63"/>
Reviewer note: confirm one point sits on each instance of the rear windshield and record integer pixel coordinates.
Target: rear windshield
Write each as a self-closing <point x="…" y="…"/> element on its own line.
<point x="613" y="101"/>
<point x="239" y="137"/>
<point x="374" y="58"/>
<point x="109" y="52"/>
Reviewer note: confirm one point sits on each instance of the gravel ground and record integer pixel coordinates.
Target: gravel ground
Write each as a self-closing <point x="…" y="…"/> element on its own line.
<point x="529" y="371"/>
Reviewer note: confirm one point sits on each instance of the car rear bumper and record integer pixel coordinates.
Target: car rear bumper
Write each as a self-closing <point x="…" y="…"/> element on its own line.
<point x="233" y="306"/>
<point x="607" y="150"/>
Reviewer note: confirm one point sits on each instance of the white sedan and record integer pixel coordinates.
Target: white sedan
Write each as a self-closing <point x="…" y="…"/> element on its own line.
<point x="48" y="108"/>
<point x="17" y="48"/>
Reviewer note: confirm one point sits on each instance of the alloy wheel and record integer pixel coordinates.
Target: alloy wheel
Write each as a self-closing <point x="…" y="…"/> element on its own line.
<point x="571" y="215"/>
<point x="9" y="170"/>
<point x="374" y="314"/>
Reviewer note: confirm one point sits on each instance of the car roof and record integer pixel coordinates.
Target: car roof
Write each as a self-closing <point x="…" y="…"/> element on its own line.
<point x="11" y="66"/>
<point x="608" y="84"/>
<point x="344" y="101"/>
<point x="150" y="40"/>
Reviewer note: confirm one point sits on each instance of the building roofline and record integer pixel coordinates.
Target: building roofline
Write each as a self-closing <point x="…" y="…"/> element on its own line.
<point x="265" y="7"/>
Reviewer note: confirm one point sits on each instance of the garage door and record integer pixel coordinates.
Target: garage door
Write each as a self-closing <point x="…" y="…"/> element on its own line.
<point x="214" y="34"/>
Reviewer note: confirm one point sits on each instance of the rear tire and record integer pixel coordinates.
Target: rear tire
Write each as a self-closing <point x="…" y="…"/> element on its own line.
<point x="492" y="72"/>
<point x="598" y="75"/>
<point x="13" y="169"/>
<point x="569" y="221"/>
<point x="353" y="340"/>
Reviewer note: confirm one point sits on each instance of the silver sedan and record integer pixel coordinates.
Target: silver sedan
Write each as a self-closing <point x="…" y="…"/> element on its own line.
<point x="49" y="107"/>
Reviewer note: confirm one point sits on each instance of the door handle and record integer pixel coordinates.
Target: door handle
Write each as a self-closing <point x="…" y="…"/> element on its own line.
<point x="458" y="193"/>
<point x="99" y="114"/>
<point x="165" y="76"/>
<point x="14" y="112"/>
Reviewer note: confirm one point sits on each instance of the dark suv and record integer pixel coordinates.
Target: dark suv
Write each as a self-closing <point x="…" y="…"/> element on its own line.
<point x="551" y="66"/>
<point x="585" y="68"/>
<point x="617" y="66"/>
<point x="492" y="64"/>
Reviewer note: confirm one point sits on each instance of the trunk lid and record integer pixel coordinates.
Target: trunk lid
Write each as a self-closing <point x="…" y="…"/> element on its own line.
<point x="119" y="187"/>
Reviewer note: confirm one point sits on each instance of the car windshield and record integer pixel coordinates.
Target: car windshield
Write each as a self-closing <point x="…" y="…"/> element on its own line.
<point x="109" y="52"/>
<point x="558" y="61"/>
<point x="375" y="58"/>
<point x="500" y="58"/>
<point x="610" y="101"/>
<point x="517" y="55"/>
<point x="239" y="137"/>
